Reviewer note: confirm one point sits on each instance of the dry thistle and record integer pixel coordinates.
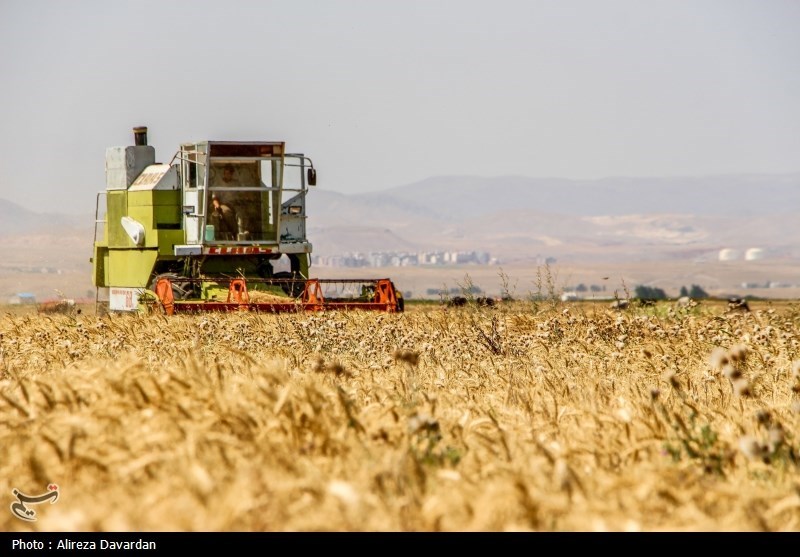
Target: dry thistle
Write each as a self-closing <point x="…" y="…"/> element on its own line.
<point x="719" y="358"/>
<point x="671" y="377"/>
<point x="731" y="372"/>
<point x="777" y="436"/>
<point x="655" y="393"/>
<point x="321" y="366"/>
<point x="738" y="353"/>
<point x="742" y="387"/>
<point x="752" y="448"/>
<point x="338" y="369"/>
<point x="763" y="417"/>
<point x="408" y="356"/>
<point x="422" y="423"/>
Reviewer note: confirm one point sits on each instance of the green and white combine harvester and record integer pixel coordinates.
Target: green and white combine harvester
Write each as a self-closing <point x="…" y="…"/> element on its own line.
<point x="222" y="227"/>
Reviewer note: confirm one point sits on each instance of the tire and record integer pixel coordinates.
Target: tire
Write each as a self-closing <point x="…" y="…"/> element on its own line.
<point x="181" y="288"/>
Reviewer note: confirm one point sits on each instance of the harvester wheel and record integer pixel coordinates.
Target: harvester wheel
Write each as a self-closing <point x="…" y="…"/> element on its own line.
<point x="181" y="288"/>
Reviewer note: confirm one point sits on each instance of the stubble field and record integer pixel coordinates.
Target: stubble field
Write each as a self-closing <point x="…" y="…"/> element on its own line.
<point x="526" y="416"/>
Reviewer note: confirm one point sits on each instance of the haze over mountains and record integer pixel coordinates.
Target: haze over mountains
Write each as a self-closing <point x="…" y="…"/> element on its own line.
<point x="515" y="217"/>
<point x="16" y="220"/>
<point x="665" y="231"/>
<point x="471" y="196"/>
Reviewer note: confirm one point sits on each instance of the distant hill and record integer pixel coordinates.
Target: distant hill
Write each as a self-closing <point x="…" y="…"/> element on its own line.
<point x="666" y="231"/>
<point x="469" y="196"/>
<point x="16" y="220"/>
<point x="519" y="217"/>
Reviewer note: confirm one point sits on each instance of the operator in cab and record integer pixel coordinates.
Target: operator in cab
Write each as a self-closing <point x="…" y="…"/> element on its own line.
<point x="223" y="214"/>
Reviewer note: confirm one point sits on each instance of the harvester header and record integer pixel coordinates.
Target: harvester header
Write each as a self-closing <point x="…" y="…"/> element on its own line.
<point x="221" y="227"/>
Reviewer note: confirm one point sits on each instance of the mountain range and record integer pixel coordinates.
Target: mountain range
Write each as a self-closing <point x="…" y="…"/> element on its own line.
<point x="518" y="218"/>
<point x="665" y="232"/>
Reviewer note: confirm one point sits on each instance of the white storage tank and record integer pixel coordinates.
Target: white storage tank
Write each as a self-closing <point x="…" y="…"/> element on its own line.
<point x="754" y="254"/>
<point x="728" y="254"/>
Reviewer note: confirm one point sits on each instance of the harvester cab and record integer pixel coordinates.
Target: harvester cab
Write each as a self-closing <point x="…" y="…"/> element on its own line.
<point x="221" y="227"/>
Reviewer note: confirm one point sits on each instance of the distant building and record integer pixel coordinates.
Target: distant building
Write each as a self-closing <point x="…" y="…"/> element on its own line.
<point x="404" y="259"/>
<point x="728" y="254"/>
<point x="754" y="254"/>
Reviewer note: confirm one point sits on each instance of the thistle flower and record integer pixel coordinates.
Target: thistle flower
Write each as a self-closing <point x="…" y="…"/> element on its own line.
<point x="738" y="353"/>
<point x="719" y="358"/>
<point x="731" y="372"/>
<point x="752" y="448"/>
<point x="407" y="356"/>
<point x="742" y="387"/>
<point x="423" y="423"/>
<point x="672" y="378"/>
<point x="776" y="437"/>
<point x="655" y="393"/>
<point x="338" y="369"/>
<point x="321" y="366"/>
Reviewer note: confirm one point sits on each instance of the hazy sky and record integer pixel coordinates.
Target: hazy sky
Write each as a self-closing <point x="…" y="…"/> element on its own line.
<point x="382" y="93"/>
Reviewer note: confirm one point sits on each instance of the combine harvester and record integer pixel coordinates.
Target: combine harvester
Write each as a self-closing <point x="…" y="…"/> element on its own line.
<point x="222" y="227"/>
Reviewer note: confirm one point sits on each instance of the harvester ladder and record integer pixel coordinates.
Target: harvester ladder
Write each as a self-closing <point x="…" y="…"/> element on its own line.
<point x="103" y="221"/>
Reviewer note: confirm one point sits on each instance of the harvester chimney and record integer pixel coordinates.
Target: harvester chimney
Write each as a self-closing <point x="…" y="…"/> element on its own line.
<point x="140" y="135"/>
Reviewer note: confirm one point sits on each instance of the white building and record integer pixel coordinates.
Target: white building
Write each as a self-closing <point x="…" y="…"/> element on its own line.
<point x="729" y="254"/>
<point x="754" y="254"/>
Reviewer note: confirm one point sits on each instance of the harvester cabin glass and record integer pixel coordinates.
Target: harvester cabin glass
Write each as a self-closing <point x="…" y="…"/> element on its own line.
<point x="244" y="194"/>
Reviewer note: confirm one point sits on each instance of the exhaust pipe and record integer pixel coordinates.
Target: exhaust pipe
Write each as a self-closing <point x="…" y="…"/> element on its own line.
<point x="140" y="135"/>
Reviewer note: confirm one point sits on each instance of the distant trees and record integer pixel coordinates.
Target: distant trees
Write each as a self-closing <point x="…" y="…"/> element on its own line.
<point x="695" y="292"/>
<point x="649" y="293"/>
<point x="470" y="290"/>
<point x="584" y="288"/>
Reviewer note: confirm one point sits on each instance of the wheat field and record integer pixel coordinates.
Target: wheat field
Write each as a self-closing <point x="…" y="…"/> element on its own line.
<point x="520" y="417"/>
